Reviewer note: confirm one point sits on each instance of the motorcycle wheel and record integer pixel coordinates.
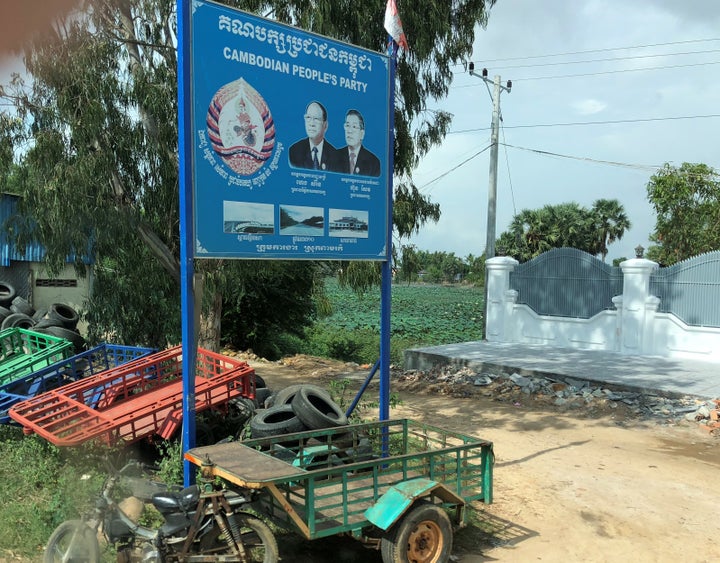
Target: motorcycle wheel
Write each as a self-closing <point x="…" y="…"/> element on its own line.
<point x="257" y="537"/>
<point x="72" y="541"/>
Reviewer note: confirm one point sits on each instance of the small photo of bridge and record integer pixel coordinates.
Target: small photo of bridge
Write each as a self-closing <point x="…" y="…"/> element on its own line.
<point x="250" y="218"/>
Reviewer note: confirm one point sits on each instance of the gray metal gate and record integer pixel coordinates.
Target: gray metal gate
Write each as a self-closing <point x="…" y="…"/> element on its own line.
<point x="567" y="282"/>
<point x="690" y="289"/>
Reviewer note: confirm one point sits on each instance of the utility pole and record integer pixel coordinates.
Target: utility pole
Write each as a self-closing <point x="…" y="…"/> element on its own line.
<point x="494" y="142"/>
<point x="492" y="187"/>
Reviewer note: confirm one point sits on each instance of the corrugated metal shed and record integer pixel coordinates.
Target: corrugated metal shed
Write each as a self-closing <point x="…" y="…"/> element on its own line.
<point x="34" y="252"/>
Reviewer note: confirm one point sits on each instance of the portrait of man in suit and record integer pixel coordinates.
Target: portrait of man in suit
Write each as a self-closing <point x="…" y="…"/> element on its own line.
<point x="314" y="151"/>
<point x="355" y="158"/>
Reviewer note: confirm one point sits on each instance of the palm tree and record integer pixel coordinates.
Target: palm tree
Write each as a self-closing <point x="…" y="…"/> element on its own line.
<point x="611" y="222"/>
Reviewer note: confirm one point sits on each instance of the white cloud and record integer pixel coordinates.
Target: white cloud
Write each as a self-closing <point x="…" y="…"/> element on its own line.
<point x="588" y="106"/>
<point x="528" y="180"/>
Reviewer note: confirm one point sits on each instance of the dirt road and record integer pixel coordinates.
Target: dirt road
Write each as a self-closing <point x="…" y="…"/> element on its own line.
<point x="569" y="486"/>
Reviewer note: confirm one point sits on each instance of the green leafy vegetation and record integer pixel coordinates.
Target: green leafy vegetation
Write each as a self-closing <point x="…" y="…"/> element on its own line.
<point x="422" y="315"/>
<point x="570" y="225"/>
<point x="44" y="485"/>
<point x="686" y="200"/>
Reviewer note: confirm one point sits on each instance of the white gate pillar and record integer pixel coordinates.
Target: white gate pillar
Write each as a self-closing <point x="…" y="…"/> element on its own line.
<point x="636" y="316"/>
<point x="498" y="280"/>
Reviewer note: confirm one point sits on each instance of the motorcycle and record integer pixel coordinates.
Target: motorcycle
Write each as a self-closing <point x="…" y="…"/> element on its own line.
<point x="200" y="524"/>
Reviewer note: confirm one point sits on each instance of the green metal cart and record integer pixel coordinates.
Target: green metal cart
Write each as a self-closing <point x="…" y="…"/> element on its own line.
<point x="25" y="351"/>
<point x="397" y="485"/>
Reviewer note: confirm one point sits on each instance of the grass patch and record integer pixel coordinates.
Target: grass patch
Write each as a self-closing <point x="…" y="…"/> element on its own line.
<point x="421" y="315"/>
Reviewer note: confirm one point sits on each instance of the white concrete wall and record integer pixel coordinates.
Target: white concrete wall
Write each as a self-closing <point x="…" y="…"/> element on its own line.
<point x="75" y="297"/>
<point x="633" y="328"/>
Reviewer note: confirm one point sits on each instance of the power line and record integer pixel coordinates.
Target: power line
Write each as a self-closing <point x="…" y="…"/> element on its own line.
<point x="613" y="59"/>
<point x="665" y="67"/>
<point x="507" y="163"/>
<point x="617" y="71"/>
<point x="454" y="168"/>
<point x="581" y="123"/>
<point x="644" y="167"/>
<point x="588" y="51"/>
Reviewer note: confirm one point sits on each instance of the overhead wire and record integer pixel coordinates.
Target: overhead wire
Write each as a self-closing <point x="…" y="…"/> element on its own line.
<point x="584" y="123"/>
<point x="598" y="73"/>
<point x="644" y="167"/>
<point x="613" y="59"/>
<point x="507" y="164"/>
<point x="601" y="50"/>
<point x="619" y="71"/>
<point x="454" y="168"/>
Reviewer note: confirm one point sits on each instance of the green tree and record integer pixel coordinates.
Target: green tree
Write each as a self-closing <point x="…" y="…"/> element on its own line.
<point x="95" y="137"/>
<point x="611" y="222"/>
<point x="475" y="269"/>
<point x="534" y="231"/>
<point x="686" y="200"/>
<point x="409" y="265"/>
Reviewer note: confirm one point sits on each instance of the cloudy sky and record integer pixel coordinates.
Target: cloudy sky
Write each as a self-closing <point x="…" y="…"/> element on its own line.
<point x="615" y="40"/>
<point x="603" y="48"/>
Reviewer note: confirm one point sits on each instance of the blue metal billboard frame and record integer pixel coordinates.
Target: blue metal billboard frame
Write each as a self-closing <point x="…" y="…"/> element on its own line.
<point x="264" y="94"/>
<point x="189" y="200"/>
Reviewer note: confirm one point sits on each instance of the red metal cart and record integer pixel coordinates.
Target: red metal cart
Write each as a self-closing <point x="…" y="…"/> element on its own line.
<point x="134" y="401"/>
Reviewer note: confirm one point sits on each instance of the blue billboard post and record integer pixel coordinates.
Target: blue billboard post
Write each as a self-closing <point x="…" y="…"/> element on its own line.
<point x="186" y="236"/>
<point x="286" y="151"/>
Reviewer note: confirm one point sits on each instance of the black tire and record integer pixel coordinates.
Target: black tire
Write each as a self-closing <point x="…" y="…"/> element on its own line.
<point x="17" y="320"/>
<point x="44" y="323"/>
<point x="317" y="410"/>
<point x="39" y="314"/>
<point x="72" y="541"/>
<point x="4" y="312"/>
<point x="204" y="434"/>
<point x="256" y="536"/>
<point x="240" y="410"/>
<point x="65" y="314"/>
<point x="424" y="533"/>
<point x="20" y="305"/>
<point x="261" y="396"/>
<point x="62" y="332"/>
<point x="259" y="382"/>
<point x="7" y="294"/>
<point x="280" y="419"/>
<point x="285" y="396"/>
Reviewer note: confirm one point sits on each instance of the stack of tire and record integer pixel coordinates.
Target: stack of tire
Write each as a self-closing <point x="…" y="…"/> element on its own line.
<point x="59" y="320"/>
<point x="294" y="409"/>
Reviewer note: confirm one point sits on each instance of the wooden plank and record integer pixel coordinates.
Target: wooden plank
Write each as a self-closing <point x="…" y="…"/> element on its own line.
<point x="242" y="465"/>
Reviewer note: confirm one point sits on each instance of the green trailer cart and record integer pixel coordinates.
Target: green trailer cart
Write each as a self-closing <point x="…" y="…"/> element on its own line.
<point x="398" y="486"/>
<point x="25" y="351"/>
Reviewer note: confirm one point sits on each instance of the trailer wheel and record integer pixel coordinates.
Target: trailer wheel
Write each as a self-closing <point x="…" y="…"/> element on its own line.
<point x="317" y="410"/>
<point x="423" y="535"/>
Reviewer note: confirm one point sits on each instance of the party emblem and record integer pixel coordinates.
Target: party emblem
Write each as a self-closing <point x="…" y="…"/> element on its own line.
<point x="240" y="127"/>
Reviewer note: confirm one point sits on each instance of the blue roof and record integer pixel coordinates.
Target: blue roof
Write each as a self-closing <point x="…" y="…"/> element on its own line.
<point x="34" y="251"/>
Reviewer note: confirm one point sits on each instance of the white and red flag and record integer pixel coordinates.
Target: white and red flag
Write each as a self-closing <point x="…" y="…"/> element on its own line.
<point x="393" y="25"/>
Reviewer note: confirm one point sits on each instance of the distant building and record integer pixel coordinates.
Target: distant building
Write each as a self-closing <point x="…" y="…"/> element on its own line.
<point x="27" y="273"/>
<point x="349" y="224"/>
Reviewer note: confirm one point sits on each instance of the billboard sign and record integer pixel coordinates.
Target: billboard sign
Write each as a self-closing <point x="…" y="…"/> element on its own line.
<point x="290" y="138"/>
